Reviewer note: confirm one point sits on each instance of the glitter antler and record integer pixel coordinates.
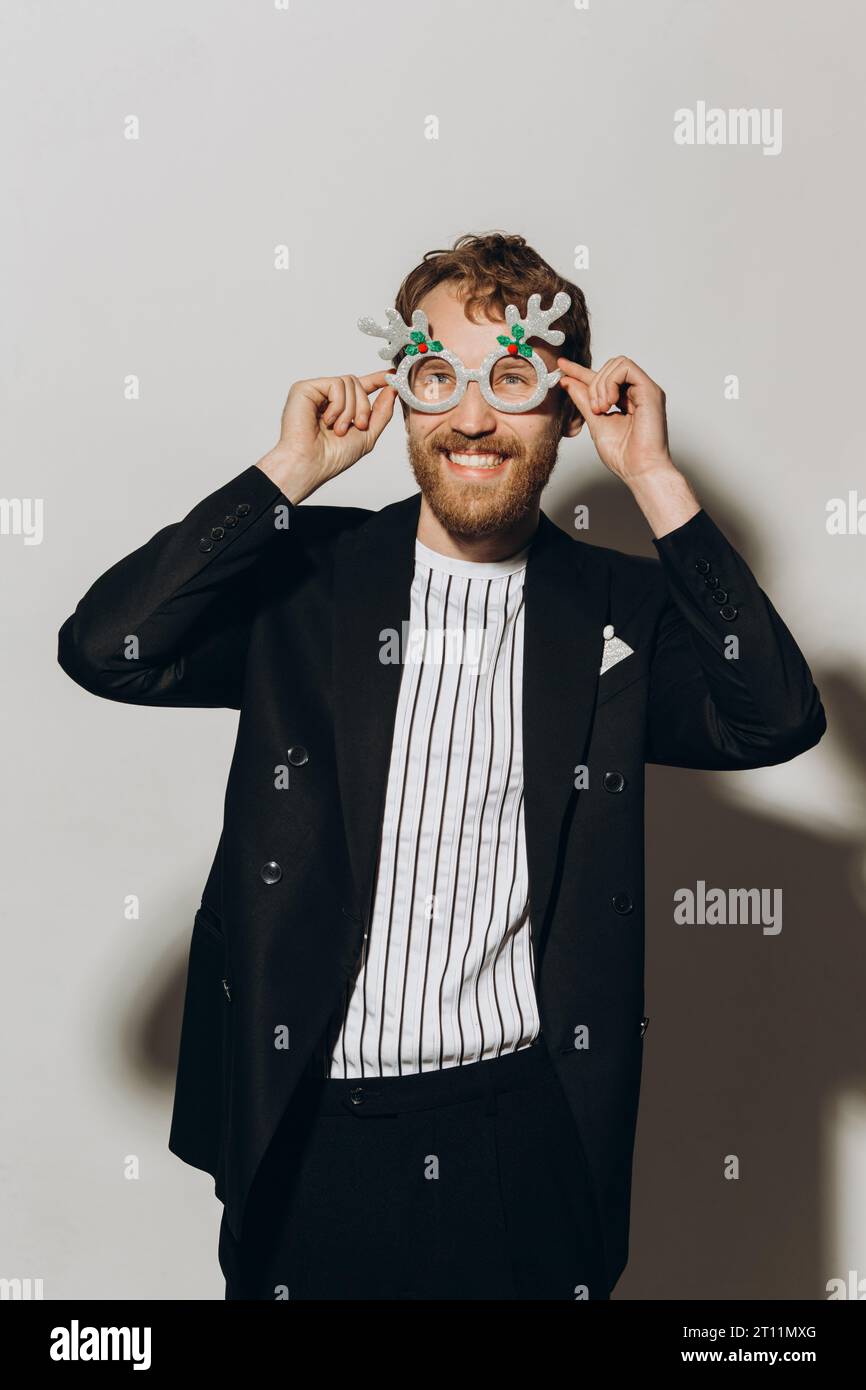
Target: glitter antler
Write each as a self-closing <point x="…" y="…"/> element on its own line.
<point x="536" y="322"/>
<point x="397" y="333"/>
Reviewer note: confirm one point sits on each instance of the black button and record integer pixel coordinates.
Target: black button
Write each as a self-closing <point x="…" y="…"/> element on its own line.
<point x="711" y="581"/>
<point x="644" y="1024"/>
<point x="217" y="533"/>
<point x="702" y="566"/>
<point x="230" y="520"/>
<point x="298" y="755"/>
<point x="729" y="612"/>
<point x="242" y="509"/>
<point x="622" y="903"/>
<point x="356" y="1096"/>
<point x="719" y="595"/>
<point x="613" y="781"/>
<point x="271" y="872"/>
<point x="205" y="544"/>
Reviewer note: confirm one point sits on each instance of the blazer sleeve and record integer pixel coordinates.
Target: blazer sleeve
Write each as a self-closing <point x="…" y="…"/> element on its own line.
<point x="170" y="623"/>
<point x="715" y="703"/>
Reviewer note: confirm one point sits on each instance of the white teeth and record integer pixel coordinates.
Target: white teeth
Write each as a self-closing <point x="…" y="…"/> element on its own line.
<point x="475" y="460"/>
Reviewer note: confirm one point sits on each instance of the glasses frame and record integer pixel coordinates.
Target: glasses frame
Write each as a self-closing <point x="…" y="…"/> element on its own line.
<point x="544" y="381"/>
<point x="535" y="323"/>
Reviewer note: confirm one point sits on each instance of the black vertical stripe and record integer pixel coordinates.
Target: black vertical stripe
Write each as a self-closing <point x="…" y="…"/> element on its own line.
<point x="434" y="877"/>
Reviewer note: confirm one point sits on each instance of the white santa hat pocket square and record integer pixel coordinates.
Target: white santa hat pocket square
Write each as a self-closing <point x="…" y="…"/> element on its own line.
<point x="615" y="649"/>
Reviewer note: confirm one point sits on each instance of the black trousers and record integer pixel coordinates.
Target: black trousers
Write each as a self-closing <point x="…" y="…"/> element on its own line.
<point x="464" y="1183"/>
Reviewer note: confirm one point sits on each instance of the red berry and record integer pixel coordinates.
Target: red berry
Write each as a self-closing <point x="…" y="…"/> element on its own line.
<point x="422" y="347"/>
<point x="512" y="348"/>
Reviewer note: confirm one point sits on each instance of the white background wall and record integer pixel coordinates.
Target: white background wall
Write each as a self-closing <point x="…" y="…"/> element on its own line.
<point x="262" y="126"/>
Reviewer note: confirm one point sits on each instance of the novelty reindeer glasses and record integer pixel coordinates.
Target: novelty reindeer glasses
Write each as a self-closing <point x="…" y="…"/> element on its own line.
<point x="431" y="378"/>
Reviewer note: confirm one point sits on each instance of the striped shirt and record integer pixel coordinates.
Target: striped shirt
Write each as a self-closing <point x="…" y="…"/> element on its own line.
<point x="447" y="975"/>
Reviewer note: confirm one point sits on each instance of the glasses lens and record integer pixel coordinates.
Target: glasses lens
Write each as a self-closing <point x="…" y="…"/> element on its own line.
<point x="432" y="380"/>
<point x="513" y="379"/>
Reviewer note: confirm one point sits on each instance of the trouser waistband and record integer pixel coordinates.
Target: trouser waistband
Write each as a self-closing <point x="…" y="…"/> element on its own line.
<point x="527" y="1067"/>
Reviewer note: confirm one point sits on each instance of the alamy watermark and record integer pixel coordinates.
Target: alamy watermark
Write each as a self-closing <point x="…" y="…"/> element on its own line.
<point x="741" y="125"/>
<point x="435" y="646"/>
<point x="703" y="906"/>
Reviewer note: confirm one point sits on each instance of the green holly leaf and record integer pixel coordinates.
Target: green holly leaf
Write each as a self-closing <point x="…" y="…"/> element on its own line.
<point x="525" y="350"/>
<point x="501" y="338"/>
<point x="417" y="337"/>
<point x="435" y="346"/>
<point x="410" y="350"/>
<point x="517" y="333"/>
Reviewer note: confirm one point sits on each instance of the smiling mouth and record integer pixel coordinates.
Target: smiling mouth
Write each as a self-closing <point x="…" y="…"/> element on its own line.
<point x="474" y="459"/>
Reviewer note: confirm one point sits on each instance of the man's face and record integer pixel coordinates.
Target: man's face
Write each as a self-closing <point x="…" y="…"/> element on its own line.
<point x="480" y="469"/>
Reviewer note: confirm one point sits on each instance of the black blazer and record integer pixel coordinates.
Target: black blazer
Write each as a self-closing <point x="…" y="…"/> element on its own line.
<point x="231" y="607"/>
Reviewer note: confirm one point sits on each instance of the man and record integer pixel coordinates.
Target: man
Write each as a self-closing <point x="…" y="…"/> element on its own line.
<point x="413" y="1028"/>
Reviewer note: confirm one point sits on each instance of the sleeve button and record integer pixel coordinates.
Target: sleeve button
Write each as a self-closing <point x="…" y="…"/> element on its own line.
<point x="217" y="533"/>
<point x="702" y="566"/>
<point x="242" y="509"/>
<point x="729" y="612"/>
<point x="719" y="595"/>
<point x="205" y="543"/>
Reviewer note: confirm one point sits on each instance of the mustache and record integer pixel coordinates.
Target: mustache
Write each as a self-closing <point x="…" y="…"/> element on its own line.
<point x="463" y="444"/>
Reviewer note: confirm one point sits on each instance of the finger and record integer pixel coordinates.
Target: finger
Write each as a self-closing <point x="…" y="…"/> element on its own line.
<point x="362" y="405"/>
<point x="611" y="393"/>
<point x="621" y="381"/>
<point x="629" y="387"/>
<point x="373" y="380"/>
<point x="347" y="414"/>
<point x="383" y="409"/>
<point x="579" y="395"/>
<point x="336" y="400"/>
<point x="574" y="372"/>
<point x="605" y="388"/>
<point x="574" y="369"/>
<point x="625" y="380"/>
<point x="315" y="389"/>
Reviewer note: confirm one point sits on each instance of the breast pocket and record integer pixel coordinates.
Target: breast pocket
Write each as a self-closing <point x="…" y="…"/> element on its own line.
<point x="619" y="677"/>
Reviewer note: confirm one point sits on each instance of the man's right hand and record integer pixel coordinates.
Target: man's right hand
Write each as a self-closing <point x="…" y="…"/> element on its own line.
<point x="328" y="424"/>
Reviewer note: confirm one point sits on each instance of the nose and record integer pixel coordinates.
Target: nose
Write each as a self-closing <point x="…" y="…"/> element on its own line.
<point x="472" y="415"/>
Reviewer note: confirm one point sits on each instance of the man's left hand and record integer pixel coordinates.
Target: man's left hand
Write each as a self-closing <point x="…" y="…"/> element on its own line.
<point x="633" y="440"/>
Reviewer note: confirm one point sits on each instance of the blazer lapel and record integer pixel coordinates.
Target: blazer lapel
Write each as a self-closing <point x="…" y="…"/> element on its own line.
<point x="566" y="593"/>
<point x="375" y="565"/>
<point x="566" y="599"/>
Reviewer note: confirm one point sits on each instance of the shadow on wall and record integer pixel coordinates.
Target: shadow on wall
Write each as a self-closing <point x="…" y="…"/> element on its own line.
<point x="750" y="1036"/>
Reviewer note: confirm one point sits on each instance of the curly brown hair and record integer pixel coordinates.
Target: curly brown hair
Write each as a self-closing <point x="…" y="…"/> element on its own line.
<point x="492" y="271"/>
